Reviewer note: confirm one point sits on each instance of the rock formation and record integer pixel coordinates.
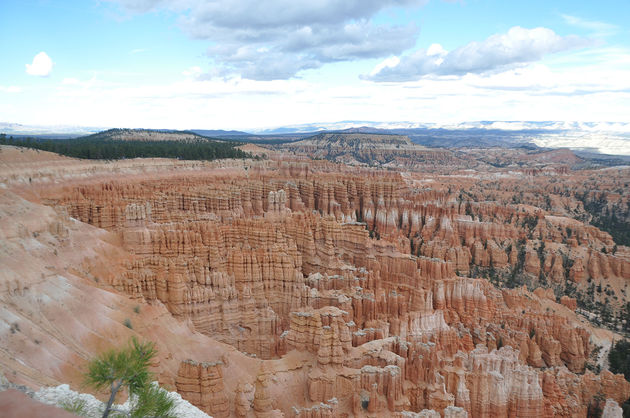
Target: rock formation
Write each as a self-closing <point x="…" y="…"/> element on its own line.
<point x="202" y="385"/>
<point x="319" y="290"/>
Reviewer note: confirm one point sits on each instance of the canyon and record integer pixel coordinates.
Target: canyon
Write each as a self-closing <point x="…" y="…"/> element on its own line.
<point x="379" y="279"/>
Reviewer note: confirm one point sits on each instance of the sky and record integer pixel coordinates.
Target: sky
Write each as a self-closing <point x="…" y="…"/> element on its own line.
<point x="251" y="64"/>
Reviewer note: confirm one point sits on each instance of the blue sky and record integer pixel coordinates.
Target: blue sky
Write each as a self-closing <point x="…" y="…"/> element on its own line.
<point x="245" y="64"/>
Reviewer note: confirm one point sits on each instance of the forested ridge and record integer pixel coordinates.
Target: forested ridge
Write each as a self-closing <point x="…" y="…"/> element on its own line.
<point x="107" y="149"/>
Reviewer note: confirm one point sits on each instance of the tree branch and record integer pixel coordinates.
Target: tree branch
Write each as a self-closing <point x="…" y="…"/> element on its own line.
<point x="112" y="397"/>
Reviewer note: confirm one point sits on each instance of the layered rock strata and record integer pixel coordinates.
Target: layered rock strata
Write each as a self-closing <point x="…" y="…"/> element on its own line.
<point x="364" y="276"/>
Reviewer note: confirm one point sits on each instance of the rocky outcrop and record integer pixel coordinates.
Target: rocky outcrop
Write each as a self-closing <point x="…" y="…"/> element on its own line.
<point x="360" y="291"/>
<point x="612" y="410"/>
<point x="326" y="409"/>
<point x="243" y="400"/>
<point x="263" y="404"/>
<point x="569" y="395"/>
<point x="324" y="332"/>
<point x="202" y="385"/>
<point x="570" y="303"/>
<point x="368" y="149"/>
<point x="500" y="386"/>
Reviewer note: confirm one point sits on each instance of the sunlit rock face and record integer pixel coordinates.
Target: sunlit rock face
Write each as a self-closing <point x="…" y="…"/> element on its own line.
<point x="314" y="289"/>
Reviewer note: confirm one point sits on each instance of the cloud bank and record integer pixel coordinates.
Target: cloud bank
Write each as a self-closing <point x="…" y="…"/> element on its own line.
<point x="276" y="39"/>
<point x="496" y="53"/>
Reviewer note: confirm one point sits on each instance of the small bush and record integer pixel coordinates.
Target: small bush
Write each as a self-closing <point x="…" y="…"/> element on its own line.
<point x="136" y="309"/>
<point x="365" y="403"/>
<point x="127" y="323"/>
<point x="76" y="406"/>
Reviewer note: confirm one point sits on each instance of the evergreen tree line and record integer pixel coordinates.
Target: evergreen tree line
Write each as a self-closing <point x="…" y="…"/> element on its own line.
<point x="619" y="360"/>
<point x="107" y="149"/>
<point x="607" y="219"/>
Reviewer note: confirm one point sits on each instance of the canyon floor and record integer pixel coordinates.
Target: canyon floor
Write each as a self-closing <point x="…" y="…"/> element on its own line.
<point x="377" y="281"/>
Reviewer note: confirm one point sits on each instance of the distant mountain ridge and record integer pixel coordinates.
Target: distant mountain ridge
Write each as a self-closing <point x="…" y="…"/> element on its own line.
<point x="60" y="131"/>
<point x="360" y="148"/>
<point x="220" y="133"/>
<point x="546" y="126"/>
<point x="358" y="139"/>
<point x="118" y="134"/>
<point x="601" y="139"/>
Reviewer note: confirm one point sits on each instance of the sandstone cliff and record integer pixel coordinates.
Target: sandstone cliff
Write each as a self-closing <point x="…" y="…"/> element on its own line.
<point x="313" y="290"/>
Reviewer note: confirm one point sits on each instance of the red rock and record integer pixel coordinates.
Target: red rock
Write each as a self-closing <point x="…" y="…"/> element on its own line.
<point x="345" y="283"/>
<point x="16" y="404"/>
<point x="202" y="385"/>
<point x="569" y="302"/>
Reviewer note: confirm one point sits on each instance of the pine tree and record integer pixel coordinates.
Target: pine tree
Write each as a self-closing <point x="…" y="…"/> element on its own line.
<point x="128" y="369"/>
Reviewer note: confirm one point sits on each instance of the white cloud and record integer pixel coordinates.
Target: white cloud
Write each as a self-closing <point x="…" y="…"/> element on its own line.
<point x="436" y="49"/>
<point x="496" y="53"/>
<point x="277" y="39"/>
<point x="593" y="86"/>
<point x="533" y="92"/>
<point x="41" y="66"/>
<point x="270" y="13"/>
<point x="386" y="63"/>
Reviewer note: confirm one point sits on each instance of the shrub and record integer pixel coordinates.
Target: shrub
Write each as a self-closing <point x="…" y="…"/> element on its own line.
<point x="75" y="406"/>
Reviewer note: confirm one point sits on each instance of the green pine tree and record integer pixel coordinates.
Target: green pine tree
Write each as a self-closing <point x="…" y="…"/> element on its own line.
<point x="128" y="368"/>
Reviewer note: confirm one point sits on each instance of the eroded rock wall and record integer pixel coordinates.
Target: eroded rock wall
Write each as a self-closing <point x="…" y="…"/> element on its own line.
<point x="364" y="274"/>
